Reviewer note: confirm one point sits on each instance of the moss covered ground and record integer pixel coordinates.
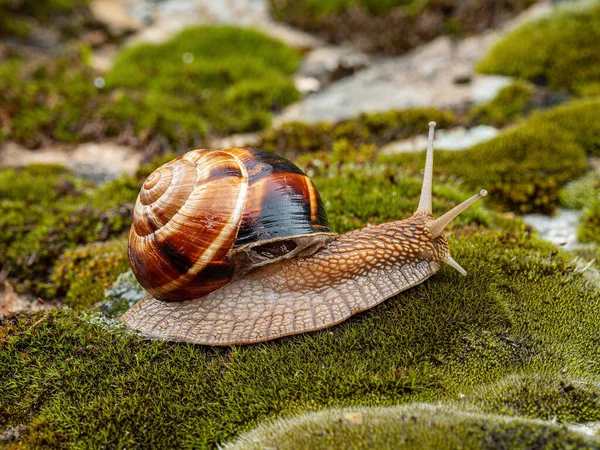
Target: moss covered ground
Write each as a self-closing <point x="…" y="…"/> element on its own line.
<point x="418" y="426"/>
<point x="553" y="51"/>
<point x="393" y="26"/>
<point x="78" y="381"/>
<point x="205" y="80"/>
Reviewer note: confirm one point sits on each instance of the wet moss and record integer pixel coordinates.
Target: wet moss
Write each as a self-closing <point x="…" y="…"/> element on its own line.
<point x="552" y="51"/>
<point x="510" y="104"/>
<point x="82" y="275"/>
<point x="524" y="308"/>
<point x="296" y="138"/>
<point x="393" y="26"/>
<point x="417" y="426"/>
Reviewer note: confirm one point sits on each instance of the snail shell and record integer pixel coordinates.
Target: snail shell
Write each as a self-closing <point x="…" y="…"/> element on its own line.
<point x="210" y="216"/>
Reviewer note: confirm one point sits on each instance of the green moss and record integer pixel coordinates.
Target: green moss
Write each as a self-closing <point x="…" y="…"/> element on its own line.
<point x="296" y="138"/>
<point x="204" y="80"/>
<point x="580" y="193"/>
<point x="51" y="101"/>
<point x="17" y="16"/>
<point x="45" y="210"/>
<point x="589" y="226"/>
<point x="548" y="397"/>
<point x="393" y="26"/>
<point x="509" y="104"/>
<point x="418" y="426"/>
<point x="524" y="308"/>
<point x="577" y="118"/>
<point x="83" y="274"/>
<point x="523" y="168"/>
<point x="553" y="51"/>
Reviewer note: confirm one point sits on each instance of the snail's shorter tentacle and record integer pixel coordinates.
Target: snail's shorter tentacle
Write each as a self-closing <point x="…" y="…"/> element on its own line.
<point x="438" y="225"/>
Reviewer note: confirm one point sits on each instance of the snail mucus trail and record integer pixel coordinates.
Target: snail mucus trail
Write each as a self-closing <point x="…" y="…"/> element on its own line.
<point x="312" y="281"/>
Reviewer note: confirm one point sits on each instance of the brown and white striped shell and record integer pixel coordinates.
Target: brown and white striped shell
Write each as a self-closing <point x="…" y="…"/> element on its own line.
<point x="210" y="216"/>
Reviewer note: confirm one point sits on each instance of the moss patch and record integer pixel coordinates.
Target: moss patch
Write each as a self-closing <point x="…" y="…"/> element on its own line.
<point x="580" y="193"/>
<point x="509" y="104"/>
<point x="295" y="138"/>
<point x="418" y="426"/>
<point x="548" y="397"/>
<point x="393" y="26"/>
<point x="589" y="227"/>
<point x="83" y="274"/>
<point x="523" y="309"/>
<point x="205" y="80"/>
<point x="553" y="51"/>
<point x="45" y="210"/>
<point x="525" y="167"/>
<point x="17" y="17"/>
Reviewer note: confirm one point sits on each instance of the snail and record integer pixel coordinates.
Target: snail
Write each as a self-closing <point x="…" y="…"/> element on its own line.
<point x="234" y="247"/>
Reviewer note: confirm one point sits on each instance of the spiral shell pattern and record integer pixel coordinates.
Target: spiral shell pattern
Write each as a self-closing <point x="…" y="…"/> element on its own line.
<point x="194" y="212"/>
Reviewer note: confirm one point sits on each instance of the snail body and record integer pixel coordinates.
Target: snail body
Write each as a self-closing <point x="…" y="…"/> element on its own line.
<point x="283" y="282"/>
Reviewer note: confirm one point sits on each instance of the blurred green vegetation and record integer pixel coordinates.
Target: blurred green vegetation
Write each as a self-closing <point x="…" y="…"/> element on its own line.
<point x="295" y="138"/>
<point x="18" y="16"/>
<point x="393" y="26"/>
<point x="205" y="80"/>
<point x="510" y="104"/>
<point x="560" y="51"/>
<point x="589" y="227"/>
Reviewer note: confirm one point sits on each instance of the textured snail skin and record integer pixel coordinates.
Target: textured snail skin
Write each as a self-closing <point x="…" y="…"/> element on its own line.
<point x="355" y="272"/>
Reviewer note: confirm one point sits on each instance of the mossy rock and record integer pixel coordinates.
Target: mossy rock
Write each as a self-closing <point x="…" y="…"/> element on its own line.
<point x="581" y="193"/>
<point x="208" y="79"/>
<point x="589" y="227"/>
<point x="510" y="104"/>
<point x="295" y="138"/>
<point x="416" y="426"/>
<point x="553" y="51"/>
<point x="577" y="118"/>
<point x="525" y="308"/>
<point x="83" y="274"/>
<point x="46" y="210"/>
<point x="550" y="397"/>
<point x="524" y="167"/>
<point x="393" y="26"/>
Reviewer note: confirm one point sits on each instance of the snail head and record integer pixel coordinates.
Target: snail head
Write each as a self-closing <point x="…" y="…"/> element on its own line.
<point x="436" y="226"/>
